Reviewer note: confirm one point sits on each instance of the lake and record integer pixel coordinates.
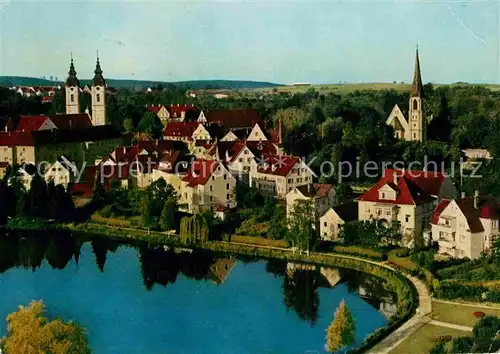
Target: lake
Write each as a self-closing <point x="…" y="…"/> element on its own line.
<point x="132" y="298"/>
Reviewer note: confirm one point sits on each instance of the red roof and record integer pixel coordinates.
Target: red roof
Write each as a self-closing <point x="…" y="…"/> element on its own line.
<point x="439" y="209"/>
<point x="229" y="149"/>
<point x="315" y="190"/>
<point x="233" y="118"/>
<point x="16" y="139"/>
<point x="177" y="110"/>
<point x="79" y="121"/>
<point x="262" y="147"/>
<point x="279" y="165"/>
<point x="155" y="108"/>
<point x="85" y="186"/>
<point x="407" y="191"/>
<point x="30" y="123"/>
<point x="180" y="129"/>
<point x="429" y="181"/>
<point x="47" y="99"/>
<point x="200" y="172"/>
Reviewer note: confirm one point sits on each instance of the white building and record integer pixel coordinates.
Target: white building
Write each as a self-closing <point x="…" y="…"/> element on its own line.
<point x="332" y="220"/>
<point x="322" y="195"/>
<point x="466" y="227"/>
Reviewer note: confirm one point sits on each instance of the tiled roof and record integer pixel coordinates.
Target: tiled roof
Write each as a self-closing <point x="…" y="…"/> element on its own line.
<point x="439" y="209"/>
<point x="429" y="181"/>
<point x="262" y="147"/>
<point x="16" y="139"/>
<point x="180" y="129"/>
<point x="97" y="133"/>
<point x="233" y="118"/>
<point x="30" y="123"/>
<point x="407" y="191"/>
<point x="315" y="190"/>
<point x="155" y="108"/>
<point x="229" y="149"/>
<point x="347" y="211"/>
<point x="200" y="172"/>
<point x="177" y="110"/>
<point x="278" y="165"/>
<point x="487" y="208"/>
<point x="78" y="121"/>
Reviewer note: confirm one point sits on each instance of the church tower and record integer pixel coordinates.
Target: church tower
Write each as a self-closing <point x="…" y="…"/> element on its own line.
<point x="72" y="90"/>
<point x="416" y="119"/>
<point x="98" y="92"/>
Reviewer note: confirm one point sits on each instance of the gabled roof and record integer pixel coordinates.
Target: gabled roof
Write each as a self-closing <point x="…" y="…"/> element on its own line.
<point x="177" y="110"/>
<point x="262" y="147"/>
<point x="155" y="108"/>
<point x="233" y="118"/>
<point x="30" y="123"/>
<point x="397" y="113"/>
<point x="180" y="129"/>
<point x="200" y="172"/>
<point x="487" y="208"/>
<point x="79" y="121"/>
<point x="407" y="191"/>
<point x="315" y="190"/>
<point x="347" y="211"/>
<point x="429" y="181"/>
<point x="229" y="149"/>
<point x="278" y="165"/>
<point x="16" y="139"/>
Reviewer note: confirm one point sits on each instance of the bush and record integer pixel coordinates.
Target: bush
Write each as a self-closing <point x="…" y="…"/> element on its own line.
<point x="360" y="252"/>
<point x="402" y="253"/>
<point x="441" y="339"/>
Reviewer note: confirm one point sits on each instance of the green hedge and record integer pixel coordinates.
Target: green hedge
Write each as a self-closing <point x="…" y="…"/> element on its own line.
<point x="360" y="252"/>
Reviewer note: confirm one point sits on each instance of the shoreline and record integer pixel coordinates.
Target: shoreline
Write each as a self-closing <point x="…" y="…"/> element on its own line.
<point x="408" y="296"/>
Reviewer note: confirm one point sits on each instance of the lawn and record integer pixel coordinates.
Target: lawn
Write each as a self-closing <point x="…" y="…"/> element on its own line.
<point x="403" y="262"/>
<point x="459" y="314"/>
<point x="261" y="241"/>
<point x="424" y="339"/>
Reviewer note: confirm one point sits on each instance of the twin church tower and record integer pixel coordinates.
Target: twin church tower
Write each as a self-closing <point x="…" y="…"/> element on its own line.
<point x="97" y="93"/>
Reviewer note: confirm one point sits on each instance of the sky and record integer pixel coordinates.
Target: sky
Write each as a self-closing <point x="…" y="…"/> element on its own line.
<point x="279" y="41"/>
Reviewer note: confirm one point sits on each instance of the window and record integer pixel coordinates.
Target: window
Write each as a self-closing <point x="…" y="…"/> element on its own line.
<point x="325" y="223"/>
<point x="211" y="198"/>
<point x="225" y="176"/>
<point x="246" y="152"/>
<point x="383" y="195"/>
<point x="227" y="185"/>
<point x="227" y="196"/>
<point x="414" y="135"/>
<point x="98" y="97"/>
<point x="211" y="188"/>
<point x="415" y="104"/>
<point x="72" y="98"/>
<point x="407" y="218"/>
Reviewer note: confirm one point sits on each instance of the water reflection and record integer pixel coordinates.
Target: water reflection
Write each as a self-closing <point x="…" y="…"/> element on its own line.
<point x="161" y="266"/>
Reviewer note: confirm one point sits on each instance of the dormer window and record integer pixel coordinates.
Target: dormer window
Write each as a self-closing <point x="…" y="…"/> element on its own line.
<point x="383" y="195"/>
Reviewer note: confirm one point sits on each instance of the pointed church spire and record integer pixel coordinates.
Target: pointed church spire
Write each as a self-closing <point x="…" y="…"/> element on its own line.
<point x="72" y="80"/>
<point x="98" y="78"/>
<point x="417" y="87"/>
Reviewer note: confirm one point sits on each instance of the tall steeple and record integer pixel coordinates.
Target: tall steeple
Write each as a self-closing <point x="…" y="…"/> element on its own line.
<point x="72" y="80"/>
<point x="417" y="87"/>
<point x="98" y="78"/>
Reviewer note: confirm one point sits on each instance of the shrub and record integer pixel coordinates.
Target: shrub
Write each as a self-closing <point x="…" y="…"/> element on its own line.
<point x="361" y="252"/>
<point x="443" y="339"/>
<point x="403" y="252"/>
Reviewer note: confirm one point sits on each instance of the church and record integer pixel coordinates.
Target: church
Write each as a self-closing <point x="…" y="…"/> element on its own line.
<point x="413" y="128"/>
<point x="97" y="92"/>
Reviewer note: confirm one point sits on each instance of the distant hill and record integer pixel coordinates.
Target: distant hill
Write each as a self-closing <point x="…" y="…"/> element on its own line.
<point x="143" y="84"/>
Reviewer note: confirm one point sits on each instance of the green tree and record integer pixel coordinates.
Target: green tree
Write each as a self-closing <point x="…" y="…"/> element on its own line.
<point x="167" y="217"/>
<point x="128" y="125"/>
<point x="150" y="124"/>
<point x="37" y="197"/>
<point x="30" y="332"/>
<point x="342" y="331"/>
<point x="147" y="213"/>
<point x="300" y="224"/>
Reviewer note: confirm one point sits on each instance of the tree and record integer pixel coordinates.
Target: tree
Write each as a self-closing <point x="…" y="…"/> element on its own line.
<point x="342" y="331"/>
<point x="146" y="209"/>
<point x="343" y="193"/>
<point x="150" y="124"/>
<point x="167" y="217"/>
<point x="128" y="125"/>
<point x="30" y="332"/>
<point x="301" y="221"/>
<point x="37" y="197"/>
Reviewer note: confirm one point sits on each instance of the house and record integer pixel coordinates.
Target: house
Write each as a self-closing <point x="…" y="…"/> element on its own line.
<point x="278" y="174"/>
<point x="160" y="111"/>
<point x="415" y="127"/>
<point x="399" y="198"/>
<point x="466" y="227"/>
<point x="62" y="172"/>
<point x="26" y="173"/>
<point x="184" y="131"/>
<point x="231" y="119"/>
<point x="207" y="185"/>
<point x="85" y="185"/>
<point x="332" y="220"/>
<point x="182" y="112"/>
<point x="473" y="156"/>
<point x="438" y="184"/>
<point x="322" y="195"/>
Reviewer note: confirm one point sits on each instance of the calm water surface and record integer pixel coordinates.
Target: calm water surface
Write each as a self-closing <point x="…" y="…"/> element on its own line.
<point x="138" y="299"/>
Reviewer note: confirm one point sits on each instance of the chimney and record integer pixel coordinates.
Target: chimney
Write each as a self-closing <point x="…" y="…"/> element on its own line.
<point x="280" y="131"/>
<point x="463" y="195"/>
<point x="476" y="199"/>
